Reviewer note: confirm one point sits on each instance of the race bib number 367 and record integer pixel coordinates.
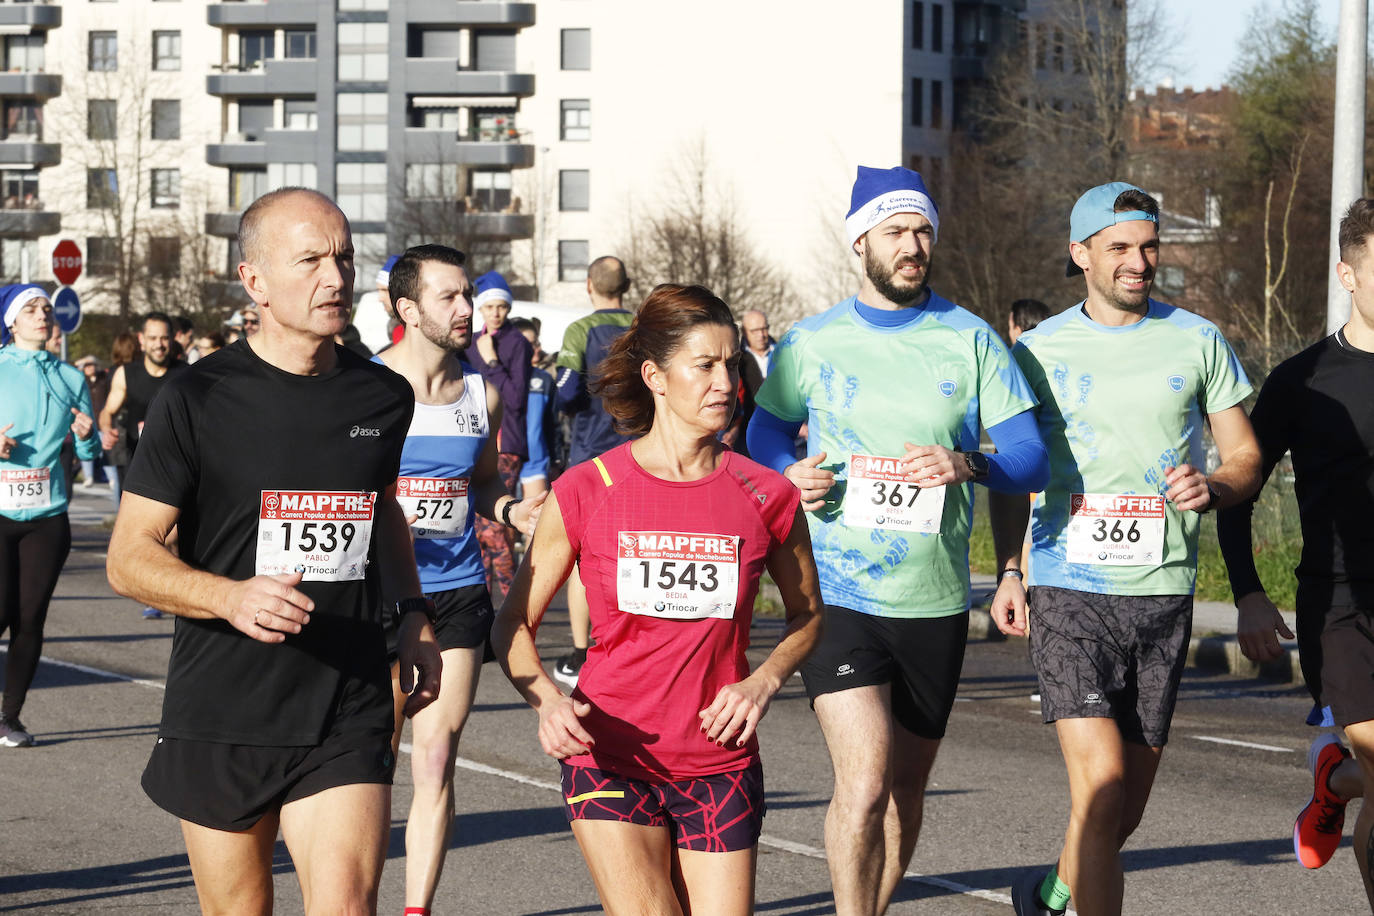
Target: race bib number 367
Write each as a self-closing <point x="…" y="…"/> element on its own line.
<point x="25" y="488"/>
<point x="1115" y="529"/>
<point x="322" y="534"/>
<point x="677" y="576"/>
<point x="880" y="496"/>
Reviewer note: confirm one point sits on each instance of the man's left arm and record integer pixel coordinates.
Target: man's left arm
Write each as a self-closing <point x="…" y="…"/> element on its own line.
<point x="1235" y="479"/>
<point x="416" y="645"/>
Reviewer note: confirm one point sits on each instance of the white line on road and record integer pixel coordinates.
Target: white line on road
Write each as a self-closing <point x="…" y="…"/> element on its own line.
<point x="1258" y="747"/>
<point x="800" y="849"/>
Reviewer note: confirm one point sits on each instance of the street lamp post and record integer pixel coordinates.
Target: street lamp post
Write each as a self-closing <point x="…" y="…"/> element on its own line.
<point x="1347" y="154"/>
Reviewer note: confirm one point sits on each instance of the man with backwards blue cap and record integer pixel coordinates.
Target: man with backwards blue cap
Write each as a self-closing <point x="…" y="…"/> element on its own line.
<point x="893" y="384"/>
<point x="1124" y="384"/>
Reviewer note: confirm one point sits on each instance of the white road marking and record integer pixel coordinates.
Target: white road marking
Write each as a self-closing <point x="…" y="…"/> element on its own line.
<point x="1258" y="747"/>
<point x="800" y="849"/>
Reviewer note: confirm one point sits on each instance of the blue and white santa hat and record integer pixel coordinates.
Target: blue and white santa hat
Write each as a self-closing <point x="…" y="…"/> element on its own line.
<point x="879" y="193"/>
<point x="13" y="298"/>
<point x="491" y="286"/>
<point x="384" y="275"/>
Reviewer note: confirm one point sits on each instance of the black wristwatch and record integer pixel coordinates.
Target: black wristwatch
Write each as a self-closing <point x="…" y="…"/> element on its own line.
<point x="505" y="512"/>
<point x="409" y="605"/>
<point x="977" y="464"/>
<point x="1213" y="497"/>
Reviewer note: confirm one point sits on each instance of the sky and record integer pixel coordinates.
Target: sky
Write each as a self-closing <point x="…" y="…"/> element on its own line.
<point x="1212" y="30"/>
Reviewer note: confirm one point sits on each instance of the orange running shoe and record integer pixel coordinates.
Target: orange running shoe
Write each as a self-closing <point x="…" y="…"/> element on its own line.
<point x="1317" y="831"/>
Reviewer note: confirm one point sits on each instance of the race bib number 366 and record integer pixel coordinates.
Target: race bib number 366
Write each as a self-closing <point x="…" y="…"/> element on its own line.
<point x="322" y="534"/>
<point x="25" y="488"/>
<point x="677" y="576"/>
<point x="1115" y="530"/>
<point x="880" y="496"/>
<point x="440" y="505"/>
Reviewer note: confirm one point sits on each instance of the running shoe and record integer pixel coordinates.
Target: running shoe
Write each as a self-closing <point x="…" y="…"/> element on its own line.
<point x="151" y="613"/>
<point x="13" y="733"/>
<point x="567" y="668"/>
<point x="1317" y="831"/>
<point x="1025" y="896"/>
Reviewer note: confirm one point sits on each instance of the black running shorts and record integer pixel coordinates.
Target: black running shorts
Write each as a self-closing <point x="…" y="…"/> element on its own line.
<point x="1110" y="656"/>
<point x="1336" y="649"/>
<point x="462" y="620"/>
<point x="231" y="786"/>
<point x="920" y="656"/>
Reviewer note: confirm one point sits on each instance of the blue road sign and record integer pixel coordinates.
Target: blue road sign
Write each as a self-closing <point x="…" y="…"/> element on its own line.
<point x="66" y="306"/>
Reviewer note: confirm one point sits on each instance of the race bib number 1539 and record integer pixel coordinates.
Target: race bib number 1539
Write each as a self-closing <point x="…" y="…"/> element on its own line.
<point x="323" y="535"/>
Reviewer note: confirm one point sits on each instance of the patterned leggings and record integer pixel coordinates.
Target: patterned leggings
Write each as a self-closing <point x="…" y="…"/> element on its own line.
<point x="498" y="541"/>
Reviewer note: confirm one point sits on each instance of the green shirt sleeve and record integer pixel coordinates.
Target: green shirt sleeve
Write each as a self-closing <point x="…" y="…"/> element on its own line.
<point x="781" y="393"/>
<point x="1226" y="384"/>
<point x="1003" y="391"/>
<point x="573" y="353"/>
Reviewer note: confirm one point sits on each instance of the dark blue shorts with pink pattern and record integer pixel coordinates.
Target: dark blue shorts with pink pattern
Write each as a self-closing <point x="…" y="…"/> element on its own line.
<point x="720" y="813"/>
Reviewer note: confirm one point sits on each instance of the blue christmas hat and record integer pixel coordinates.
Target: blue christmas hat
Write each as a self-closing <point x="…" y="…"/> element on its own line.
<point x="879" y="193"/>
<point x="491" y="286"/>
<point x="384" y="275"/>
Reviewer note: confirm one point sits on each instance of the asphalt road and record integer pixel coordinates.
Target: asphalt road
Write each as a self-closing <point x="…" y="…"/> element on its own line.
<point x="77" y="835"/>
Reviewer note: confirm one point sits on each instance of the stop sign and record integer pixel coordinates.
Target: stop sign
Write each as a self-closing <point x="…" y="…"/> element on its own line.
<point x="66" y="262"/>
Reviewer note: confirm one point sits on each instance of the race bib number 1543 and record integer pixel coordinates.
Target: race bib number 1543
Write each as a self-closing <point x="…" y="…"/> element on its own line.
<point x="677" y="576"/>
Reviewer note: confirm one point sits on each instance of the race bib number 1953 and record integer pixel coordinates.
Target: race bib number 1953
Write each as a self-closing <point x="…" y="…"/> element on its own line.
<point x="322" y="534"/>
<point x="25" y="488"/>
<point x="677" y="576"/>
<point x="1115" y="529"/>
<point x="880" y="496"/>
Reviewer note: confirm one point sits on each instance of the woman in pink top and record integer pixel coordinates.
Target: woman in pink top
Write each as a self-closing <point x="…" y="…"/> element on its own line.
<point x="671" y="533"/>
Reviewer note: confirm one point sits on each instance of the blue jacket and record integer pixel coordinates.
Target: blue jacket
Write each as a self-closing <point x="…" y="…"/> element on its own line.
<point x="37" y="394"/>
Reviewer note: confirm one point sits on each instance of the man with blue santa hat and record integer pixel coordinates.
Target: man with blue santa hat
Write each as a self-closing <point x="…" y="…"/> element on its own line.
<point x="892" y="384"/>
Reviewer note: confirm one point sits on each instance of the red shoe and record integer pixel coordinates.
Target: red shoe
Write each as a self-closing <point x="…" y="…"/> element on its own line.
<point x="1317" y="831"/>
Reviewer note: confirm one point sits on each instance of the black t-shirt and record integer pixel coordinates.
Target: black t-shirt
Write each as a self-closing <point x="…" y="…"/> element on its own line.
<point x="224" y="437"/>
<point x="140" y="390"/>
<point x="1318" y="406"/>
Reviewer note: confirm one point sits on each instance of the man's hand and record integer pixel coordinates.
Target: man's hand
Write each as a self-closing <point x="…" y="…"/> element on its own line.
<point x="736" y="709"/>
<point x="1258" y="627"/>
<point x="560" y="728"/>
<point x="486" y="348"/>
<point x="525" y="513"/>
<point x="417" y="649"/>
<point x="1008" y="608"/>
<point x="268" y="607"/>
<point x="813" y="481"/>
<point x="934" y="466"/>
<point x="6" y="443"/>
<point x="82" y="425"/>
<point x="1187" y="488"/>
<point x="108" y="438"/>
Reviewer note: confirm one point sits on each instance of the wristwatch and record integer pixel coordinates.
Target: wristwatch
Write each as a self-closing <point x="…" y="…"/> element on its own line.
<point x="977" y="464"/>
<point x="1213" y="496"/>
<point x="408" y="605"/>
<point x="505" y="512"/>
<point x="1010" y="573"/>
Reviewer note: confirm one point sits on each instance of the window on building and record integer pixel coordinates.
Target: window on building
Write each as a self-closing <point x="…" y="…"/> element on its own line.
<point x="300" y="114"/>
<point x="494" y="49"/>
<point x="937" y="104"/>
<point x="937" y="27"/>
<point x="166" y="119"/>
<point x="573" y="256"/>
<point x="362" y="120"/>
<point x="24" y="53"/>
<point x="103" y="51"/>
<point x="917" y="102"/>
<point x="166" y="50"/>
<point x="24" y="119"/>
<point x="102" y="255"/>
<point x="918" y="26"/>
<point x="246" y="186"/>
<point x="360" y="190"/>
<point x="490" y="189"/>
<point x="574" y="189"/>
<point x="300" y="43"/>
<point x="433" y="118"/>
<point x="12" y="256"/>
<point x="1058" y="59"/>
<point x="164" y="256"/>
<point x="102" y="119"/>
<point x="291" y="175"/>
<point x="167" y="188"/>
<point x="495" y="125"/>
<point x="255" y="116"/>
<point x="102" y="189"/>
<point x="255" y="46"/>
<point x="363" y="4"/>
<point x="432" y="181"/>
<point x="363" y="51"/>
<point x="577" y="49"/>
<point x="448" y="43"/>
<point x="576" y="120"/>
<point x="20" y="188"/>
<point x="370" y="252"/>
<point x="1041" y="46"/>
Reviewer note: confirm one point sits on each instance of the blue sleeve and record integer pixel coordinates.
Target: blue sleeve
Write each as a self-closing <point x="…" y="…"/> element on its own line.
<point x="770" y="439"/>
<point x="538" y="463"/>
<point x="570" y="391"/>
<point x="1021" y="465"/>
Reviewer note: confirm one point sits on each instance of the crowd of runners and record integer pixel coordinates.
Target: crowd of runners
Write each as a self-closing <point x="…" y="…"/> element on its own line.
<point x="348" y="566"/>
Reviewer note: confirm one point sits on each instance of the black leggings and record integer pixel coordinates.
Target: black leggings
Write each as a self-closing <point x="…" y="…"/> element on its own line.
<point x="31" y="558"/>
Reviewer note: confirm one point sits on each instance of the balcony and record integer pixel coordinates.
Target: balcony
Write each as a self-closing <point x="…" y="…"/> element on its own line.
<point x="441" y="76"/>
<point x="251" y="15"/>
<point x="37" y="85"/>
<point x="275" y="77"/>
<point x="222" y="225"/>
<point x="262" y="147"/>
<point x="467" y="218"/>
<point x="33" y="15"/>
<point x="503" y="226"/>
<point x="469" y="13"/>
<point x="18" y="222"/>
<point x="442" y="145"/>
<point x="19" y="151"/>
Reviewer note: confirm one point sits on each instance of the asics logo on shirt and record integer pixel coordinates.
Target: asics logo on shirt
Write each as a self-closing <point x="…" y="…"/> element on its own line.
<point x="365" y="431"/>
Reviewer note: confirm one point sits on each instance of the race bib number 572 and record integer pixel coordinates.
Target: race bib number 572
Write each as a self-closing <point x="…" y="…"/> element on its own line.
<point x="1115" y="529"/>
<point x="677" y="576"/>
<point x="322" y="534"/>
